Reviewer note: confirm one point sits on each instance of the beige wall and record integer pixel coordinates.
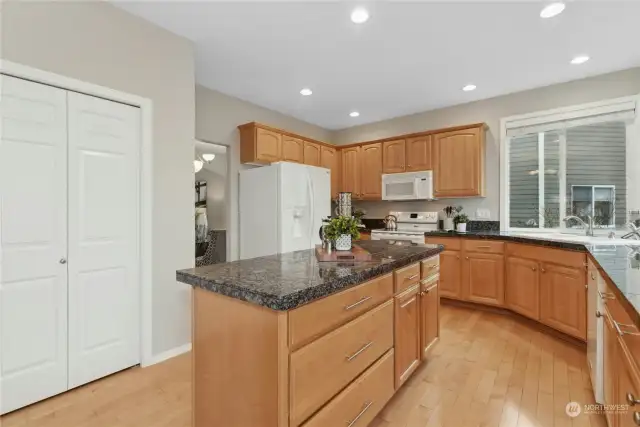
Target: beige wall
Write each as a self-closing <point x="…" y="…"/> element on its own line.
<point x="98" y="43"/>
<point x="489" y="111"/>
<point x="215" y="174"/>
<point x="217" y="118"/>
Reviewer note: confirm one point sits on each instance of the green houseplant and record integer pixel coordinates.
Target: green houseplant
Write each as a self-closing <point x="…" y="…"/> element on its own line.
<point x="461" y="222"/>
<point x="341" y="230"/>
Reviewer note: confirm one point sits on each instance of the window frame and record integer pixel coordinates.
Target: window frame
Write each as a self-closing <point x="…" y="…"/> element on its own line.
<point x="559" y="115"/>
<point x="593" y="202"/>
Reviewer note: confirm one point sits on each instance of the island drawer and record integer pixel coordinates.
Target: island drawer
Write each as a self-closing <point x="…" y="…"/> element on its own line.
<point x="485" y="246"/>
<point x="406" y="277"/>
<point x="319" y="317"/>
<point x="551" y="255"/>
<point x="430" y="266"/>
<point x="449" y="243"/>
<point x="318" y="371"/>
<point x="359" y="403"/>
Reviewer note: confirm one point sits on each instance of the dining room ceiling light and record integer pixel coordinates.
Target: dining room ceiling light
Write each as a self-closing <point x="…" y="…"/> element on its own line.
<point x="197" y="165"/>
<point x="208" y="157"/>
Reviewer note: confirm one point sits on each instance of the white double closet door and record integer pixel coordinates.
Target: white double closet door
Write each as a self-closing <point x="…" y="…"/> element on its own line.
<point x="69" y="290"/>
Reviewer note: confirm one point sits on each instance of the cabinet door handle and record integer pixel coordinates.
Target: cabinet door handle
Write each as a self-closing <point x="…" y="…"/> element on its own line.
<point x="533" y="269"/>
<point x="606" y="295"/>
<point x="636" y="418"/>
<point x="466" y="257"/>
<point x="411" y="277"/>
<point x="357" y="353"/>
<point x="598" y="314"/>
<point x="593" y="276"/>
<point x="355" y="420"/>
<point x="458" y="256"/>
<point x="407" y="303"/>
<point x="357" y="303"/>
<point x="631" y="399"/>
<point x="543" y="270"/>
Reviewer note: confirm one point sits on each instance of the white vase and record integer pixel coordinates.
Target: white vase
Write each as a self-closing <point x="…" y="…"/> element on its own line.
<point x="447" y="224"/>
<point x="343" y="243"/>
<point x="462" y="227"/>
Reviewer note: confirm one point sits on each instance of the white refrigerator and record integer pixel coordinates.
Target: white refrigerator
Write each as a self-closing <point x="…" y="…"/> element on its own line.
<point x="282" y="207"/>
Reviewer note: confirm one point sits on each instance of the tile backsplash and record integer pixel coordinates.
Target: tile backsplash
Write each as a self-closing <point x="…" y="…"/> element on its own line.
<point x="380" y="209"/>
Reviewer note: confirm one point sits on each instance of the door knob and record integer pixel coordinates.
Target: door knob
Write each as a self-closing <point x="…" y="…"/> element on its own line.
<point x="598" y="314"/>
<point x="63" y="261"/>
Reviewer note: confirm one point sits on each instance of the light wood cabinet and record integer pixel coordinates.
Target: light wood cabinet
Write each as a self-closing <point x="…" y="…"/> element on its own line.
<point x="610" y="359"/>
<point x="371" y="171"/>
<point x="450" y="274"/>
<point x="393" y="158"/>
<point x="330" y="159"/>
<point x="407" y="334"/>
<point x="483" y="278"/>
<point x="459" y="163"/>
<point x="429" y="312"/>
<point x="522" y="290"/>
<point x="563" y="299"/>
<point x="311" y="154"/>
<point x="351" y="171"/>
<point x="292" y="149"/>
<point x="627" y="391"/>
<point x="418" y="154"/>
<point x="259" y="145"/>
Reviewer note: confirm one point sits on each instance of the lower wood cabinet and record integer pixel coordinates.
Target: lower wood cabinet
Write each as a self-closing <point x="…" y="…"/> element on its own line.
<point x="610" y="359"/>
<point x="523" y="287"/>
<point x="407" y="334"/>
<point x="450" y="274"/>
<point x="627" y="392"/>
<point x="563" y="299"/>
<point x="429" y="312"/>
<point x="483" y="278"/>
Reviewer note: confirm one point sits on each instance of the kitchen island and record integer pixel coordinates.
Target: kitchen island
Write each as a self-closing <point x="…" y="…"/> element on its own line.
<point x="285" y="340"/>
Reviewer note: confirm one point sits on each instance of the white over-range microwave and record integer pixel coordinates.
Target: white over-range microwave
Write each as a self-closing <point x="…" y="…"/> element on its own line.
<point x="408" y="186"/>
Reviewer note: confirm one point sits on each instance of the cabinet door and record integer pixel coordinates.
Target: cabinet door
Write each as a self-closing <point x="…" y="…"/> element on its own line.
<point x="522" y="290"/>
<point x="483" y="278"/>
<point x="371" y="171"/>
<point x="311" y="154"/>
<point x="292" y="149"/>
<point x="626" y="388"/>
<point x="418" y="154"/>
<point x="351" y="171"/>
<point x="393" y="157"/>
<point x="563" y="299"/>
<point x="268" y="145"/>
<point x="450" y="283"/>
<point x="459" y="163"/>
<point x="430" y="326"/>
<point x="407" y="334"/>
<point x="330" y="159"/>
<point x="610" y="379"/>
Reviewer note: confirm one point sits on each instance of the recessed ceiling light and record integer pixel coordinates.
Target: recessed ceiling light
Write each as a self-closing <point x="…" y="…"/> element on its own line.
<point x="552" y="10"/>
<point x="306" y="91"/>
<point x="208" y="157"/>
<point x="359" y="15"/>
<point x="580" y="59"/>
<point x="469" y="88"/>
<point x="354" y="114"/>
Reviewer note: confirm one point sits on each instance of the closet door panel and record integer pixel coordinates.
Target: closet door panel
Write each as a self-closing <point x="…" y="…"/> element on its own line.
<point x="33" y="295"/>
<point x="104" y="326"/>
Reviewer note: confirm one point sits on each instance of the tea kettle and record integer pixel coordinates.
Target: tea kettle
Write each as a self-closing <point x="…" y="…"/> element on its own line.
<point x="391" y="222"/>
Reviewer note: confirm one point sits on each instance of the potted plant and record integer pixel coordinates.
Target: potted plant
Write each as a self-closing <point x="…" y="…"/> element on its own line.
<point x="461" y="222"/>
<point x="341" y="230"/>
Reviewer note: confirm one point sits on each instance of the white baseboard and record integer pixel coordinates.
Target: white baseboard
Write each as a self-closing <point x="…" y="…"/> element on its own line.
<point x="166" y="355"/>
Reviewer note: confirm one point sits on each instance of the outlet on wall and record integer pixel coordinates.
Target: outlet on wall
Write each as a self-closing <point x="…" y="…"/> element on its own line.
<point x="483" y="213"/>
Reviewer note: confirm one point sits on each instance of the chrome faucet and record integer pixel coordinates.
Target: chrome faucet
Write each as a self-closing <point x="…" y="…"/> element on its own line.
<point x="635" y="231"/>
<point x="588" y="226"/>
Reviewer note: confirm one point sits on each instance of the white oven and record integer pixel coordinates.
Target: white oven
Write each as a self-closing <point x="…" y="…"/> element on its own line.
<point x="408" y="186"/>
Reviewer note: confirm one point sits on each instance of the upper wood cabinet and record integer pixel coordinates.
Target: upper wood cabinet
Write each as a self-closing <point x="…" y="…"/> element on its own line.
<point x="483" y="278"/>
<point x="563" y="299"/>
<point x="311" y="154"/>
<point x="292" y="149"/>
<point x="350" y="171"/>
<point x="330" y="159"/>
<point x="393" y="157"/>
<point x="407" y="334"/>
<point x="371" y="171"/>
<point x="458" y="159"/>
<point x="450" y="269"/>
<point x="522" y="294"/>
<point x="418" y="154"/>
<point x="259" y="145"/>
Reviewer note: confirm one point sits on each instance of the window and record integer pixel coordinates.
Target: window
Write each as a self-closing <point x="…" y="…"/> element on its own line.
<point x="570" y="162"/>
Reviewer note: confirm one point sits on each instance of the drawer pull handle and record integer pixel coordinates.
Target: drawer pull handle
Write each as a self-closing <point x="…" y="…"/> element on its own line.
<point x="411" y="277"/>
<point x="431" y="267"/>
<point x="357" y="303"/>
<point x="593" y="276"/>
<point x="483" y="247"/>
<point x="631" y="400"/>
<point x="407" y="303"/>
<point x="621" y="332"/>
<point x="366" y="406"/>
<point x="357" y="353"/>
<point x="606" y="295"/>
<point x="636" y="418"/>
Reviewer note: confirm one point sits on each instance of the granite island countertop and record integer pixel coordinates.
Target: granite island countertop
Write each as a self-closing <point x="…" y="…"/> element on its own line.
<point x="286" y="281"/>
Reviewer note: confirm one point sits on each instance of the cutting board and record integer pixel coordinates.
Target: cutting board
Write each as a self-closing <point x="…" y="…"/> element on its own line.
<point x="355" y="254"/>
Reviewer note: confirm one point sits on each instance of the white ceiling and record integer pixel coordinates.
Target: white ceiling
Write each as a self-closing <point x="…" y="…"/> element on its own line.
<point x="408" y="57"/>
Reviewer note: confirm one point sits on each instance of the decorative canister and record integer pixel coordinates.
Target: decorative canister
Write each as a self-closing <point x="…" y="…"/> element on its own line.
<point x="343" y="242"/>
<point x="447" y="224"/>
<point x="344" y="204"/>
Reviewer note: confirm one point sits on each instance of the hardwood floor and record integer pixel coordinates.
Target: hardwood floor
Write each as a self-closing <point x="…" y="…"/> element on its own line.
<point x="487" y="370"/>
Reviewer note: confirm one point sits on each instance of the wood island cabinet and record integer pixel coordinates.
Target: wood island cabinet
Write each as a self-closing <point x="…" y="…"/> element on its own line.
<point x="330" y="159"/>
<point x="610" y="359"/>
<point x="311" y="154"/>
<point x="407" y="334"/>
<point x="563" y="299"/>
<point x="429" y="314"/>
<point x="292" y="149"/>
<point x="418" y="154"/>
<point x="450" y="274"/>
<point x="522" y="294"/>
<point x="459" y="163"/>
<point x="350" y="171"/>
<point x="371" y="171"/>
<point x="393" y="156"/>
<point x="483" y="276"/>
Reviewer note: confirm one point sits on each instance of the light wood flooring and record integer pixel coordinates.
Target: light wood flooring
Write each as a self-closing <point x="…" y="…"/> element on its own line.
<point x="487" y="370"/>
